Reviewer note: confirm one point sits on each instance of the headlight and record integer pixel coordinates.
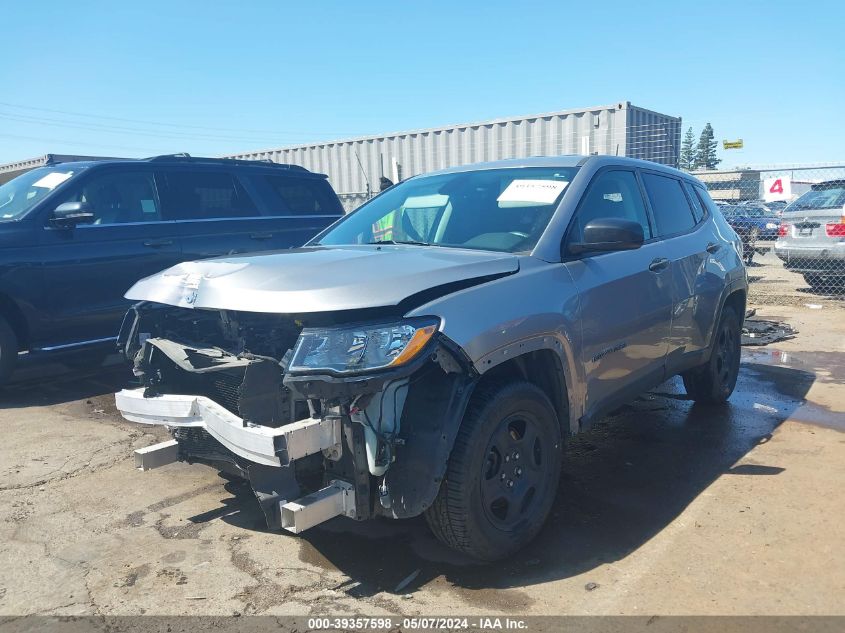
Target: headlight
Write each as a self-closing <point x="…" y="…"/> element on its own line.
<point x="360" y="348"/>
<point x="771" y="225"/>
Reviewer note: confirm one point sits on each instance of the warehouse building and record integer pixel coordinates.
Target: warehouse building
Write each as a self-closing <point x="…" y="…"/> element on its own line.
<point x="355" y="166"/>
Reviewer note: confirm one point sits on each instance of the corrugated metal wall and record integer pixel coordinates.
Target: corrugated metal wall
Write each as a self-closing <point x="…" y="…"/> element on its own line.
<point x="653" y="136"/>
<point x="620" y="129"/>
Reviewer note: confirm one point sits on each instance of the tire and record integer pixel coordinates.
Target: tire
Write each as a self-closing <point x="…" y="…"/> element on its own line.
<point x="714" y="382"/>
<point x="824" y="285"/>
<point x="8" y="350"/>
<point x="502" y="475"/>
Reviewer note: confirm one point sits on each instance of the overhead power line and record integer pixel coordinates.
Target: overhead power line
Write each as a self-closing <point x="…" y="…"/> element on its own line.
<point x="166" y="124"/>
<point x="113" y="129"/>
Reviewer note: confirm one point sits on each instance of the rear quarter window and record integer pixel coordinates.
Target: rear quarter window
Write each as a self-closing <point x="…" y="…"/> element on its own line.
<point x="698" y="211"/>
<point x="199" y="195"/>
<point x="672" y="212"/>
<point x="302" y="196"/>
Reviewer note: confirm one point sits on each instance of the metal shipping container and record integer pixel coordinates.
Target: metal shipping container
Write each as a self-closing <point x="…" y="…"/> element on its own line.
<point x="354" y="166"/>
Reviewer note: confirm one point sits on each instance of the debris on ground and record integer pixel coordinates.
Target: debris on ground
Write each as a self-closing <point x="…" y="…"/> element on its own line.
<point x="762" y="332"/>
<point x="591" y="586"/>
<point x="407" y="581"/>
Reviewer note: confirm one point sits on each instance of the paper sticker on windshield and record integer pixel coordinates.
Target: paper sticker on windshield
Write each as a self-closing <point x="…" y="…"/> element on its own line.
<point x="52" y="180"/>
<point x="532" y="191"/>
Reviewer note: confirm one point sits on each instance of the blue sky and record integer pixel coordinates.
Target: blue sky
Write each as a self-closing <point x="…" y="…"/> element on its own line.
<point x="140" y="78"/>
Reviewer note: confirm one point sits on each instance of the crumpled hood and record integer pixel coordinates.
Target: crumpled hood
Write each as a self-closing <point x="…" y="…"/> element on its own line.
<point x="319" y="278"/>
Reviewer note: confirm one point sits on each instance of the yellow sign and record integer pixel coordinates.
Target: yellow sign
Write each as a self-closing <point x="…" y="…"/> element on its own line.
<point x="737" y="144"/>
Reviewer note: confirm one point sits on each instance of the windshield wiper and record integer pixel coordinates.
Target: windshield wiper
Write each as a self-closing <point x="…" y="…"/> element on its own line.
<point x="413" y="242"/>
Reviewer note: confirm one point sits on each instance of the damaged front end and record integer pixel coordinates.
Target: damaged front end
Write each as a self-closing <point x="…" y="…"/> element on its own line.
<point x="325" y="414"/>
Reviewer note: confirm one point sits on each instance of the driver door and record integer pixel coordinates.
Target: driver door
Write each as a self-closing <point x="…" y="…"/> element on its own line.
<point x="625" y="298"/>
<point x="89" y="267"/>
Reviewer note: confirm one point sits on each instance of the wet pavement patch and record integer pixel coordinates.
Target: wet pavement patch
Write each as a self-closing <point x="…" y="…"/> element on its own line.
<point x="623" y="481"/>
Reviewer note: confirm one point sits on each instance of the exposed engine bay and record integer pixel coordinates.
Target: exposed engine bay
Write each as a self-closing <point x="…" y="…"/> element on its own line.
<point x="312" y="443"/>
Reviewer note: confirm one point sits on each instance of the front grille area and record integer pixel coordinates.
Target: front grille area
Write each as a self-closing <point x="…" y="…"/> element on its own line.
<point x="196" y="442"/>
<point x="224" y="389"/>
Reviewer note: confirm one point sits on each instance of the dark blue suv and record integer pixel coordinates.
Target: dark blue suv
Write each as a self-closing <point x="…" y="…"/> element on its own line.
<point x="75" y="236"/>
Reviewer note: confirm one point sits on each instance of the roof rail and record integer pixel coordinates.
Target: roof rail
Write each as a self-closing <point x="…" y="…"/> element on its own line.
<point x="184" y="156"/>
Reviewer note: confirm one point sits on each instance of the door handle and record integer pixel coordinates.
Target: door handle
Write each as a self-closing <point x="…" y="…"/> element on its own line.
<point x="658" y="265"/>
<point x="158" y="243"/>
<point x="712" y="247"/>
<point x="260" y="236"/>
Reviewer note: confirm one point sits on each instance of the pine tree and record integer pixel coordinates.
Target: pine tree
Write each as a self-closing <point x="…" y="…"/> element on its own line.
<point x="688" y="151"/>
<point x="705" y="153"/>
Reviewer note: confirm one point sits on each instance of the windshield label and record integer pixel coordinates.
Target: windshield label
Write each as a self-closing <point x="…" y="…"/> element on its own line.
<point x="52" y="180"/>
<point x="532" y="191"/>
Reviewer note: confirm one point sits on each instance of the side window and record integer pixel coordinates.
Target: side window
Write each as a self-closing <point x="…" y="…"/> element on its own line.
<point x="706" y="200"/>
<point x="672" y="212"/>
<point x="201" y="195"/>
<point x="303" y="196"/>
<point x="613" y="194"/>
<point x="119" y="197"/>
<point x="697" y="207"/>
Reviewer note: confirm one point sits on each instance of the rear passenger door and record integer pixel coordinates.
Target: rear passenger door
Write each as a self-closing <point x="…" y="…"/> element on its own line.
<point x="297" y="206"/>
<point x="696" y="284"/>
<point x="214" y="213"/>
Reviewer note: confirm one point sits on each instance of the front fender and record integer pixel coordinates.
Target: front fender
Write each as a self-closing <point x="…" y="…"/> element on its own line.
<point x="536" y="308"/>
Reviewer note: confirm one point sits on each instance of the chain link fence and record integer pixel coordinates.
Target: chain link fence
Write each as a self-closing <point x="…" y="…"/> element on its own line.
<point x="792" y="224"/>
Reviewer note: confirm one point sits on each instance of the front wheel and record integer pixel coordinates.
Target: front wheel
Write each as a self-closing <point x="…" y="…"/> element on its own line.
<point x="714" y="381"/>
<point x="502" y="474"/>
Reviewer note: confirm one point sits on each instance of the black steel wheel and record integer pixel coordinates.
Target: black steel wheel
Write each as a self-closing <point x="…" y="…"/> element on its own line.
<point x="502" y="475"/>
<point x="513" y="477"/>
<point x="714" y="381"/>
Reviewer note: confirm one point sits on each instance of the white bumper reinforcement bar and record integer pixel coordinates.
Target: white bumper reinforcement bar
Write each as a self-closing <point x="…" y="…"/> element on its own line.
<point x="259" y="444"/>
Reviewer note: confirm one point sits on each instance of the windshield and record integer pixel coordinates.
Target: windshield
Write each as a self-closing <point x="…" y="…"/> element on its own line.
<point x="20" y="194"/>
<point x="498" y="209"/>
<point x="824" y="196"/>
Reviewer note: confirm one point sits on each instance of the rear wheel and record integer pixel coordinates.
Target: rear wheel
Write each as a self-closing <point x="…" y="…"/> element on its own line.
<point x="714" y="381"/>
<point x="824" y="285"/>
<point x="502" y="475"/>
<point x="8" y="350"/>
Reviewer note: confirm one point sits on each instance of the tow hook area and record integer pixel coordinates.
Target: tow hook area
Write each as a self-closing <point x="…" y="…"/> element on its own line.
<point x="336" y="499"/>
<point x="157" y="455"/>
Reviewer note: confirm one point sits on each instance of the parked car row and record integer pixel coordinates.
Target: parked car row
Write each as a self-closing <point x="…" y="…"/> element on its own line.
<point x="811" y="238"/>
<point x="752" y="223"/>
<point x="75" y="236"/>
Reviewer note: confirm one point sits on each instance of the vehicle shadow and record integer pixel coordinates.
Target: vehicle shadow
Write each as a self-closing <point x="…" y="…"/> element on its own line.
<point x="44" y="384"/>
<point x="623" y="481"/>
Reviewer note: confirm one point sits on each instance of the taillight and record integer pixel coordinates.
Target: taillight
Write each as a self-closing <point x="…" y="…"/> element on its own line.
<point x="835" y="230"/>
<point x="783" y="229"/>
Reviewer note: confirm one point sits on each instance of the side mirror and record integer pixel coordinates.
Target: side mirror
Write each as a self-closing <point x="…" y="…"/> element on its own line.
<point x="69" y="214"/>
<point x="609" y="234"/>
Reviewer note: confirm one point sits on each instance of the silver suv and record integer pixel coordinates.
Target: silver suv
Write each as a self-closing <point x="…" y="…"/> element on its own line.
<point x="432" y="351"/>
<point x="811" y="239"/>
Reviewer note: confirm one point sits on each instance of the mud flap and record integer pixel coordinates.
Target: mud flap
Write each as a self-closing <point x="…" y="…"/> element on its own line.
<point x="273" y="486"/>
